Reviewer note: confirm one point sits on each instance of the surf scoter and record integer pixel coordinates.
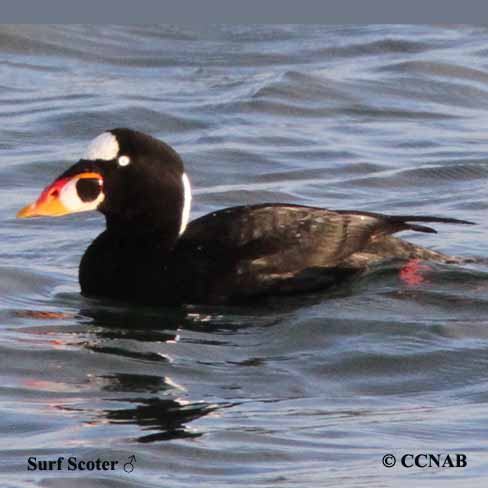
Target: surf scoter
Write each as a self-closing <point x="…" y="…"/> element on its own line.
<point x="151" y="253"/>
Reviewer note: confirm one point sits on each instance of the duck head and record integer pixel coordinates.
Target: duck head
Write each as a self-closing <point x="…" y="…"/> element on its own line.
<point x="138" y="183"/>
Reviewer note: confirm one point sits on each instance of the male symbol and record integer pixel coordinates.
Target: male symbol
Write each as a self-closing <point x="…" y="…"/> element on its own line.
<point x="129" y="466"/>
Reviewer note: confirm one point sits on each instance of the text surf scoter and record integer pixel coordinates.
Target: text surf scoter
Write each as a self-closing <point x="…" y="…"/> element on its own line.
<point x="151" y="253"/>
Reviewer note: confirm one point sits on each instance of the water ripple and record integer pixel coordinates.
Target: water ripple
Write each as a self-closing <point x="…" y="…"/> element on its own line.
<point x="307" y="391"/>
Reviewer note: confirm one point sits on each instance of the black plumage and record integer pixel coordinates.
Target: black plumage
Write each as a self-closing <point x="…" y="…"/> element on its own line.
<point x="233" y="255"/>
<point x="240" y="253"/>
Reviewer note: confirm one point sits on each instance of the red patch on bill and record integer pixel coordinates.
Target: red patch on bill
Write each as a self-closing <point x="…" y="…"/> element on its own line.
<point x="37" y="314"/>
<point x="411" y="272"/>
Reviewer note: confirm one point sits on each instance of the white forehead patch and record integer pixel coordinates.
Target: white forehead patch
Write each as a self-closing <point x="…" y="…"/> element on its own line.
<point x="104" y="146"/>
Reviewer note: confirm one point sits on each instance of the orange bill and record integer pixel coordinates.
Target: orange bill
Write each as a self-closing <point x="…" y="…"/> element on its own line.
<point x="49" y="202"/>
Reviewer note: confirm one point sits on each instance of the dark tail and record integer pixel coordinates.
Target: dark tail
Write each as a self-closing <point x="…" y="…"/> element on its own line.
<point x="403" y="222"/>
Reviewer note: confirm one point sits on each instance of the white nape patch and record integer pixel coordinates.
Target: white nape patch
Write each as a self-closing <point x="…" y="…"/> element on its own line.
<point x="71" y="201"/>
<point x="123" y="160"/>
<point x="104" y="146"/>
<point x="185" y="215"/>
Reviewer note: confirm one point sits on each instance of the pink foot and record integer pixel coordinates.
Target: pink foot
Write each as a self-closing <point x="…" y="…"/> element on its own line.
<point x="411" y="272"/>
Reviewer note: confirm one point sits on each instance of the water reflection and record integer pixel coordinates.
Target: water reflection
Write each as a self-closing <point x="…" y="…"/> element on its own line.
<point x="142" y="397"/>
<point x="166" y="416"/>
<point x="142" y="366"/>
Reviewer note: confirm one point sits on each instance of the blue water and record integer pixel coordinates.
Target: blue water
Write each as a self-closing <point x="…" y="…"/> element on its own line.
<point x="305" y="391"/>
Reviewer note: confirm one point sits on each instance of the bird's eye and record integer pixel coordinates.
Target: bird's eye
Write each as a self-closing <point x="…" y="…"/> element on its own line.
<point x="123" y="160"/>
<point x="88" y="189"/>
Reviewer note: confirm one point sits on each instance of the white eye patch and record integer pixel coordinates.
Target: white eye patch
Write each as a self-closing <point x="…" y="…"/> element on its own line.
<point x="71" y="200"/>
<point x="104" y="146"/>
<point x="123" y="160"/>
